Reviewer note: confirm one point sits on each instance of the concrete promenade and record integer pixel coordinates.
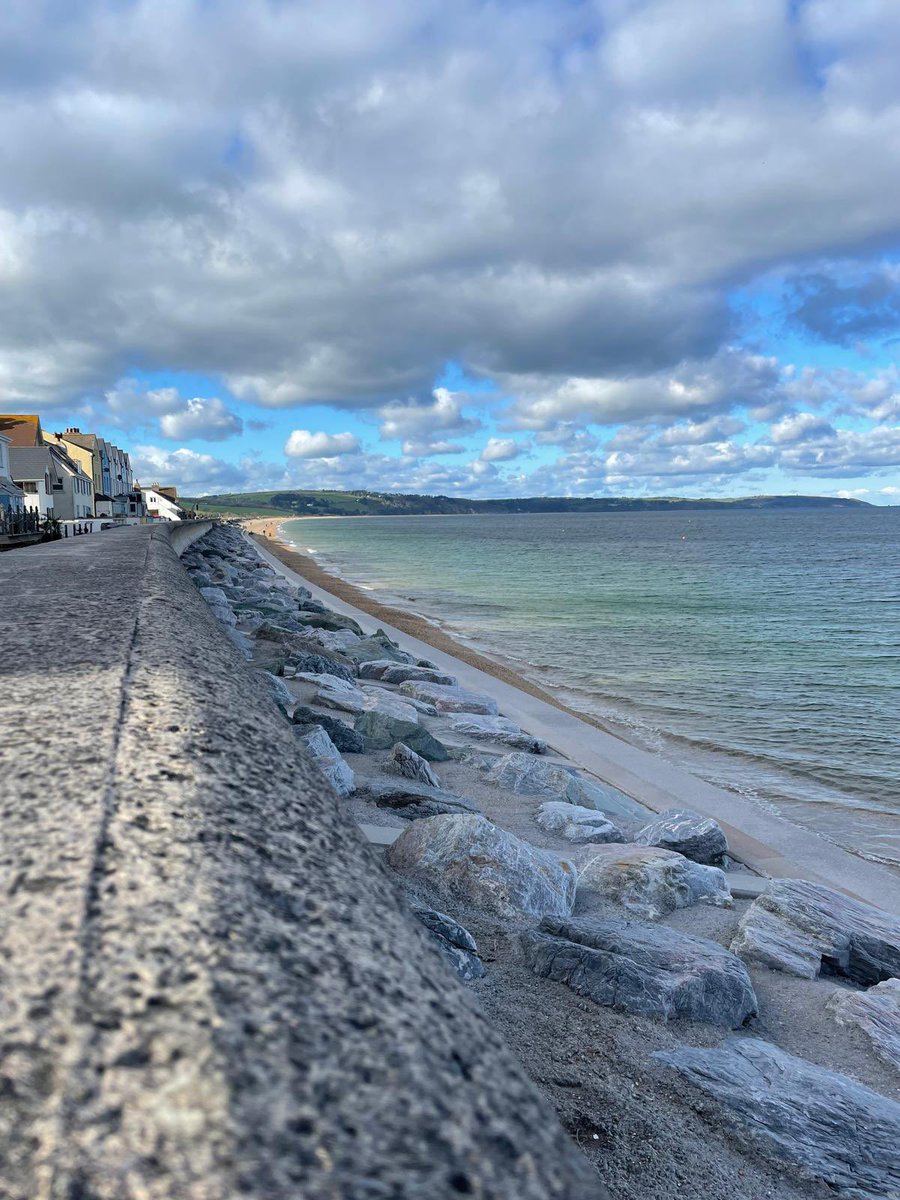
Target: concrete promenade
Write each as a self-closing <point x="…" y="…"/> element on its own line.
<point x="209" y="986"/>
<point x="763" y="840"/>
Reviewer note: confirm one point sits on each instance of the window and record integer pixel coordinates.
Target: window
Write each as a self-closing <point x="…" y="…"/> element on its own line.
<point x="29" y="487"/>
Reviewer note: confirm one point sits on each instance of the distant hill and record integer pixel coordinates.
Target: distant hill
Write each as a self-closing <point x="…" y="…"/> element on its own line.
<point x="392" y="504"/>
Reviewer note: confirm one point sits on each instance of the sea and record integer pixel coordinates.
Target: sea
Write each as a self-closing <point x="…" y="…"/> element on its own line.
<point x="759" y="649"/>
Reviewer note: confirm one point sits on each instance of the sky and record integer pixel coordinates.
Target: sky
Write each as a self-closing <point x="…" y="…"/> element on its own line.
<point x="475" y="248"/>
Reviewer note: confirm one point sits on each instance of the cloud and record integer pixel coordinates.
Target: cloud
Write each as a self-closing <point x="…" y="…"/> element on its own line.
<point x="501" y="450"/>
<point x="802" y="427"/>
<point x="846" y="303"/>
<point x="304" y="444"/>
<point x="326" y="208"/>
<point x="207" y="420"/>
<point x="419" y="422"/>
<point x="190" y="472"/>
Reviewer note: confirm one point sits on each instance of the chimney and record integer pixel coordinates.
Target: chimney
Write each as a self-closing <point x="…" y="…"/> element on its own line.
<point x="73" y="429"/>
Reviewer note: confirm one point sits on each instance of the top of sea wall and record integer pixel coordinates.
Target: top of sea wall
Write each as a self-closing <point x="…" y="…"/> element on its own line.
<point x="211" y="987"/>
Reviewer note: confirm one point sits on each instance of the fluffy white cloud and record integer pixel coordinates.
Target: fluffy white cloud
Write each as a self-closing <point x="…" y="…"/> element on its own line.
<point x="423" y="424"/>
<point x="190" y="472"/>
<point x="501" y="450"/>
<point x="209" y="420"/>
<point x="326" y="206"/>
<point x="802" y="427"/>
<point x="304" y="444"/>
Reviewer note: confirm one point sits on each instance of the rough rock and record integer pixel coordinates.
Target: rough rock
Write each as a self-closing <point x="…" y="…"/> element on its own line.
<point x="876" y="1012"/>
<point x="338" y="642"/>
<point x="577" y="824"/>
<point x="412" y="800"/>
<point x="699" y="838"/>
<point x="467" y="860"/>
<point x="317" y="664"/>
<point x="497" y="729"/>
<point x="214" y="595"/>
<point x="223" y="613"/>
<point x="331" y="621"/>
<point x="802" y="928"/>
<point x="391" y="672"/>
<point x="453" y="940"/>
<point x="526" y="775"/>
<point x="830" y="1127"/>
<point x="645" y="969"/>
<point x="382" y="731"/>
<point x="281" y="694"/>
<point x="378" y="646"/>
<point x="406" y="762"/>
<point x="380" y="700"/>
<point x="446" y="698"/>
<point x="327" y="758"/>
<point x="334" y="692"/>
<point x="649" y="882"/>
<point x="344" y="736"/>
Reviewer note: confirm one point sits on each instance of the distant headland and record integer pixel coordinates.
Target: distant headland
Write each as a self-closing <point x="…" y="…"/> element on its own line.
<point x="394" y="504"/>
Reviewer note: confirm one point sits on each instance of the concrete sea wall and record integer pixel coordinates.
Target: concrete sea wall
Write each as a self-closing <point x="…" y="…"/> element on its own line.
<point x="210" y="987"/>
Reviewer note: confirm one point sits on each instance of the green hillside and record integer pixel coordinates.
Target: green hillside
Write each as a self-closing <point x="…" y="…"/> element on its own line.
<point x="361" y="503"/>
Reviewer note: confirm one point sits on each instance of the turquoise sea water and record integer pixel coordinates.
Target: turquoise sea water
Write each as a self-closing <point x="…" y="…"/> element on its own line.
<point x="759" y="649"/>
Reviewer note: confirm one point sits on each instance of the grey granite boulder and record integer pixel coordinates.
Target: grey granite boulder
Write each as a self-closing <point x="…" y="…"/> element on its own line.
<point x="281" y="694"/>
<point x="382" y="731"/>
<point x="330" y="621"/>
<point x="802" y="928"/>
<point x="649" y="882"/>
<point x="413" y="800"/>
<point x="828" y="1126"/>
<point x="334" y="692"/>
<point x="344" y="736"/>
<point x="577" y="824"/>
<point x="391" y="672"/>
<point x="378" y="646"/>
<point x="496" y="729"/>
<point x="645" y="969"/>
<point x="876" y="1012"/>
<point x="327" y="758"/>
<point x="465" y="860"/>
<point x="317" y="664"/>
<point x="696" y="837"/>
<point x="405" y="762"/>
<point x="379" y="699"/>
<point x="526" y="775"/>
<point x="446" y="698"/>
<point x="453" y="941"/>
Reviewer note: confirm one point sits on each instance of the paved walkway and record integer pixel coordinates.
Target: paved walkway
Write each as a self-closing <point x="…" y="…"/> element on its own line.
<point x="764" y="841"/>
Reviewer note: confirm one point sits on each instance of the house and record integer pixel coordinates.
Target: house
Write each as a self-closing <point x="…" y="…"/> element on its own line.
<point x="34" y="470"/>
<point x="73" y="489"/>
<point x="23" y="430"/>
<point x="115" y="494"/>
<point x="162" y="503"/>
<point x="12" y="497"/>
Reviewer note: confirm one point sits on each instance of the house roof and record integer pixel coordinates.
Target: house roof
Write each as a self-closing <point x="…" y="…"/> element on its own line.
<point x="30" y="462"/>
<point x="87" y="441"/>
<point x="23" y="430"/>
<point x="8" y="488"/>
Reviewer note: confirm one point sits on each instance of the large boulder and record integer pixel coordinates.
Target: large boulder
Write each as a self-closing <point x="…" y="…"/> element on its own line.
<point x="333" y="692"/>
<point x="447" y="698"/>
<point x="331" y="621"/>
<point x="327" y="758"/>
<point x="380" y="700"/>
<point x="405" y="762"/>
<point x="453" y="941"/>
<point x="645" y="969"/>
<point x="413" y="800"/>
<point x="801" y="928"/>
<point x="376" y="647"/>
<point x="526" y="775"/>
<point x="696" y="837"/>
<point x="344" y="736"/>
<point x="577" y="824"/>
<point x="829" y="1127"/>
<point x="649" y="882"/>
<point x="391" y="672"/>
<point x="383" y="731"/>
<point x="465" y="860"/>
<point x="317" y="664"/>
<point x="876" y="1012"/>
<point x="496" y="729"/>
<point x="280" y="693"/>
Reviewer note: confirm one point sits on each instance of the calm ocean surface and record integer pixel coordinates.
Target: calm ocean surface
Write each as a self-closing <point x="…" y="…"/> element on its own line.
<point x="761" y="650"/>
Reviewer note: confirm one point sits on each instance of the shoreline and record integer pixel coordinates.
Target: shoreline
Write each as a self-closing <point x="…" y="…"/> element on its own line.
<point x="408" y="622"/>
<point x="769" y="844"/>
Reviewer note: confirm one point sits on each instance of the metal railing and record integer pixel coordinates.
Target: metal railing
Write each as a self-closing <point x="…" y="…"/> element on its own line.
<point x="18" y="524"/>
